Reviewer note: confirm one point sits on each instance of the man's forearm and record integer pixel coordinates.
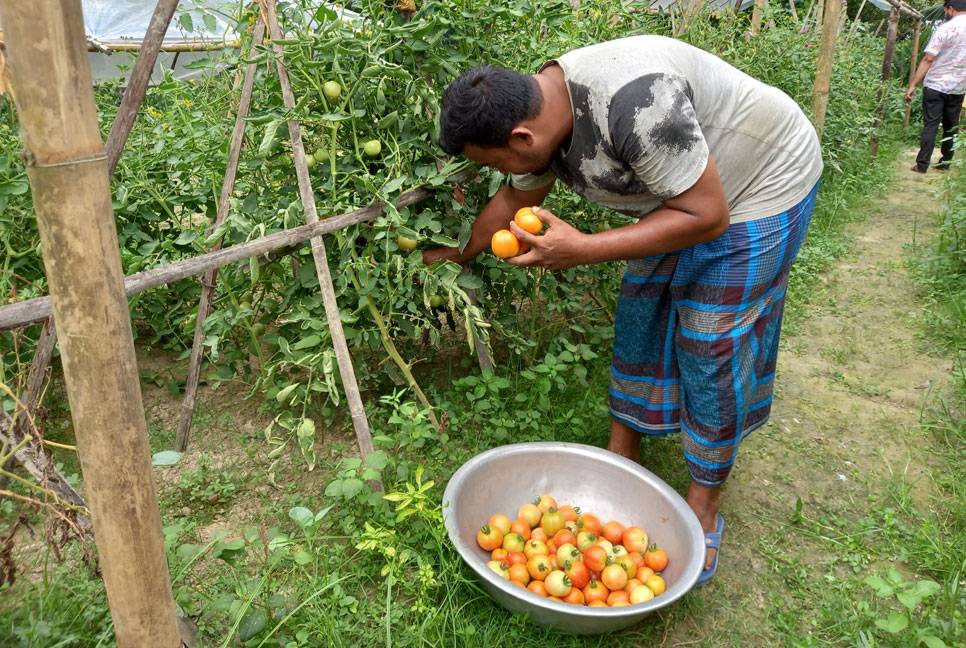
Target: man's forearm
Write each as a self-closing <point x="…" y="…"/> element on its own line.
<point x="920" y="74"/>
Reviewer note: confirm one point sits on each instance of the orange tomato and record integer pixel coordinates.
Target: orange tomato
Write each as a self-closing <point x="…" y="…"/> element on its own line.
<point x="655" y="558"/>
<point x="643" y="573"/>
<point x="537" y="587"/>
<point x="618" y="596"/>
<point x="595" y="558"/>
<point x="625" y="562"/>
<point x="539" y="534"/>
<point x="530" y="513"/>
<point x="516" y="557"/>
<point x="504" y="243"/>
<point x="564" y="536"/>
<point x="579" y="574"/>
<point x="595" y="591"/>
<point x="501" y="522"/>
<point x="637" y="558"/>
<point x="632" y="585"/>
<point x="569" y="513"/>
<point x="635" y="539"/>
<point x="517" y="583"/>
<point x="551" y="546"/>
<point x="553" y="561"/>
<point x="518" y="572"/>
<point x="614" y="577"/>
<point x="520" y="526"/>
<point x="539" y="566"/>
<point x="534" y="547"/>
<point x="597" y="604"/>
<point x="545" y="503"/>
<point x="500" y="554"/>
<point x="528" y="221"/>
<point x="489" y="538"/>
<point x="589" y="522"/>
<point x="613" y="531"/>
<point x="575" y="596"/>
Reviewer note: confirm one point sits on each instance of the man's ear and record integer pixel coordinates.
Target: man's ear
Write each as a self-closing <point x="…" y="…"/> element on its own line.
<point x="521" y="137"/>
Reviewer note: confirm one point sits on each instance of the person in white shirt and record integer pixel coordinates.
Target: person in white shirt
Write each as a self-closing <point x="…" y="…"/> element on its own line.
<point x="943" y="75"/>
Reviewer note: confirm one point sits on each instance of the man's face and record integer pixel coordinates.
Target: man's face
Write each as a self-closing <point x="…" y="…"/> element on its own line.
<point x="510" y="158"/>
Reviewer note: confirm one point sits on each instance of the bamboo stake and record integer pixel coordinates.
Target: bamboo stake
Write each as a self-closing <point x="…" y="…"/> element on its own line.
<point x="826" y="59"/>
<point x="890" y="47"/>
<point x="794" y="11"/>
<point x="138" y="83"/>
<point x="67" y="169"/>
<point x="913" y="64"/>
<point x="120" y="130"/>
<point x="190" y="46"/>
<point x="756" y="15"/>
<point x="359" y="421"/>
<point x="879" y="28"/>
<point x="693" y="7"/>
<point x="856" y="22"/>
<point x="33" y="311"/>
<point x="210" y="280"/>
<point x="820" y="14"/>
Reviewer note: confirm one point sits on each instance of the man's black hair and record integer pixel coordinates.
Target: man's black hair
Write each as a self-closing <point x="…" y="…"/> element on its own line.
<point x="958" y="5"/>
<point x="483" y="106"/>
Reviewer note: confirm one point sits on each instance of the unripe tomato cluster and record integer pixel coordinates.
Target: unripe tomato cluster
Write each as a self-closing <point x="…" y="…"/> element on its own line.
<point x="505" y="243"/>
<point x="563" y="554"/>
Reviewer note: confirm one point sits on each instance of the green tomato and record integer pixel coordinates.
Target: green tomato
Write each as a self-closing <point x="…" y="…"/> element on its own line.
<point x="405" y="244"/>
<point x="332" y="90"/>
<point x="436" y="301"/>
<point x="373" y="148"/>
<point x="310" y="161"/>
<point x="321" y="156"/>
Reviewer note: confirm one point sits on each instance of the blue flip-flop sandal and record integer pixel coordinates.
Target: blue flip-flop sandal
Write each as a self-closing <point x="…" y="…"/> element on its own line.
<point x="712" y="541"/>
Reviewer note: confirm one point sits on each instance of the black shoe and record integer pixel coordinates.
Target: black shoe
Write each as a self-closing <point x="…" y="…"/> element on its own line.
<point x="917" y="169"/>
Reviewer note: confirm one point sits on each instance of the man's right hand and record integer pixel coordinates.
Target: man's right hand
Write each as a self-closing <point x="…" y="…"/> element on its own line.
<point x="909" y="94"/>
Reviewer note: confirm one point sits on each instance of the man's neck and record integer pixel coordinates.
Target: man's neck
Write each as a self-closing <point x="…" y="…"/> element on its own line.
<point x="556" y="102"/>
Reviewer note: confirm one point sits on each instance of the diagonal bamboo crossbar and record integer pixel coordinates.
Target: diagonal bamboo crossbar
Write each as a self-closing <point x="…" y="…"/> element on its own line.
<point x="33" y="311"/>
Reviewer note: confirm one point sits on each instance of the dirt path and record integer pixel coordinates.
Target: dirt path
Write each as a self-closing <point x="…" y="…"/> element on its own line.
<point x="850" y="386"/>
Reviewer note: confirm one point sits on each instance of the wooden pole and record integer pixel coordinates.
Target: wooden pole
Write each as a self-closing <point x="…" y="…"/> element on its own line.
<point x="855" y="23"/>
<point x="913" y="64"/>
<point x="359" y="421"/>
<point x="67" y="169"/>
<point x="756" y="15"/>
<point x="820" y="14"/>
<point x="694" y="6"/>
<point x="210" y="280"/>
<point x="794" y="11"/>
<point x="890" y="47"/>
<point x="33" y="311"/>
<point x="826" y="60"/>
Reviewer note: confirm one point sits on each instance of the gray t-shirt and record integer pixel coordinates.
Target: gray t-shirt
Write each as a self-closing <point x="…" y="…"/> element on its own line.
<point x="647" y="112"/>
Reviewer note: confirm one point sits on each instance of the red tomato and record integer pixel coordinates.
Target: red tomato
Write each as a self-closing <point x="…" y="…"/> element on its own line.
<point x="500" y="554"/>
<point x="618" y="597"/>
<point x="589" y="522"/>
<point x="635" y="539"/>
<point x="518" y="572"/>
<point x="579" y="574"/>
<point x="520" y="526"/>
<point x="576" y="597"/>
<point x="595" y="558"/>
<point x="517" y="557"/>
<point x="564" y="536"/>
<point x="613" y="531"/>
<point x="595" y="591"/>
<point x="569" y="512"/>
<point x="537" y="587"/>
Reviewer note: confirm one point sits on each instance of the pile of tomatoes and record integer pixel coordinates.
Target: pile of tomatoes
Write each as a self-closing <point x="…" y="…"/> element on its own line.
<point x="563" y="554"/>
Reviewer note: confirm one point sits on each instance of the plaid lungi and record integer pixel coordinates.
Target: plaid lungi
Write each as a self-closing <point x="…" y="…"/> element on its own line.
<point x="696" y="338"/>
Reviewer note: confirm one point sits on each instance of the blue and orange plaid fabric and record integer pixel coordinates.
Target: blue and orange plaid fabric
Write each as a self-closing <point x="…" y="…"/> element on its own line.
<point x="696" y="338"/>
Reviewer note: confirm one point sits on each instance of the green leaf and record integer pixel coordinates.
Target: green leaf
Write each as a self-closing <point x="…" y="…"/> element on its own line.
<point x="469" y="281"/>
<point x="926" y="588"/>
<point x="210" y="23"/>
<point x="895" y="623"/>
<point x="302" y="516"/>
<point x="302" y="557"/>
<point x="187" y="236"/>
<point x="165" y="458"/>
<point x="186" y="22"/>
<point x="393" y="184"/>
<point x="334" y="489"/>
<point x="377" y="459"/>
<point x="351" y="487"/>
<point x="268" y="138"/>
<point x="910" y="599"/>
<point x="254" y="621"/>
<point x="306" y="436"/>
<point x="931" y="641"/>
<point x="306" y="342"/>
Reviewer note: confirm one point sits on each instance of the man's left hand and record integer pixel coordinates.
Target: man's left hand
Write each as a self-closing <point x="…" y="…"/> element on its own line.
<point x="557" y="248"/>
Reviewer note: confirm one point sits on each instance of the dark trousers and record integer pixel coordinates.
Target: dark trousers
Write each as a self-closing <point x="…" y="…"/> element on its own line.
<point x="938" y="107"/>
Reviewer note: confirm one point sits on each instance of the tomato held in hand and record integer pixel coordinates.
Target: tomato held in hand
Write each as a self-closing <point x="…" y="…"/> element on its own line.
<point x="505" y="244"/>
<point x="528" y="221"/>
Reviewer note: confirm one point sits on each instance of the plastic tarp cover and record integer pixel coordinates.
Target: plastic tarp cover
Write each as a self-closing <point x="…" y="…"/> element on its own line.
<point x="112" y="21"/>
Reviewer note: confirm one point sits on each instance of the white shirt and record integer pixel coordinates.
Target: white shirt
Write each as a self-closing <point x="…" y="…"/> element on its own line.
<point x="948" y="44"/>
<point x="647" y="112"/>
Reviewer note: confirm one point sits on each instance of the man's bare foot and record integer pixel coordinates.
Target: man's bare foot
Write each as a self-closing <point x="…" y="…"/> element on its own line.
<point x="625" y="441"/>
<point x="703" y="500"/>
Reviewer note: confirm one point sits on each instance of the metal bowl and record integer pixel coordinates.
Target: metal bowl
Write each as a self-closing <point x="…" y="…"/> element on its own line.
<point x="613" y="487"/>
